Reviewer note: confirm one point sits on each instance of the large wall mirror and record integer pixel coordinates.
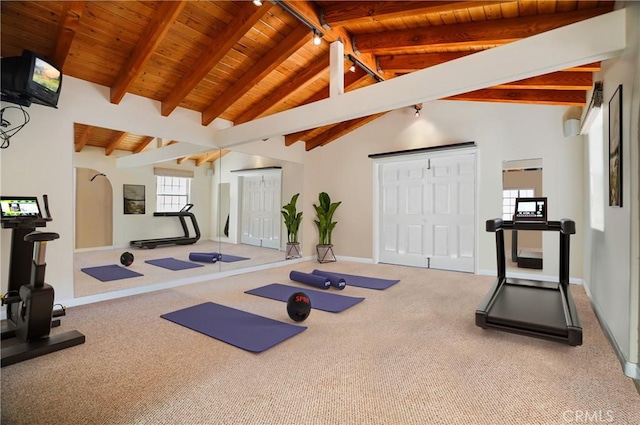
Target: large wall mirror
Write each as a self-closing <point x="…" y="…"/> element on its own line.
<point x="521" y="179"/>
<point x="236" y="201"/>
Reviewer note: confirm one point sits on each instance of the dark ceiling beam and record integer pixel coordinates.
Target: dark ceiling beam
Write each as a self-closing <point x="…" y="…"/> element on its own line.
<point x="362" y="12"/>
<point x="247" y="16"/>
<point x="70" y="19"/>
<point x="485" y="33"/>
<point x="338" y="131"/>
<point x="258" y="71"/>
<point x="538" y="97"/>
<point x="155" y="31"/>
<point x="298" y="82"/>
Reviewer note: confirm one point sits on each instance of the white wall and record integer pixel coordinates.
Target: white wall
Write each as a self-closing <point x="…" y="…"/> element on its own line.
<point x="501" y="131"/>
<point x="611" y="277"/>
<point x="145" y="226"/>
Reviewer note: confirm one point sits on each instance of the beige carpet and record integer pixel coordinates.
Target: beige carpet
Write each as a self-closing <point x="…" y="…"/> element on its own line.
<point x="410" y="354"/>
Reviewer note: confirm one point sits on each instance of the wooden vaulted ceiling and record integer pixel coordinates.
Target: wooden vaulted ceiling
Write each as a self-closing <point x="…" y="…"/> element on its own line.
<point x="237" y="61"/>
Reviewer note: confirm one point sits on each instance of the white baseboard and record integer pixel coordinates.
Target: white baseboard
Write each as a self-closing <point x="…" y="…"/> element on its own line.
<point x="630" y="369"/>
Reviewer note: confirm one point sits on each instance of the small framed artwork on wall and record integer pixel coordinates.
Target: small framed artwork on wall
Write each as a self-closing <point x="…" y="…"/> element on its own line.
<point x="615" y="148"/>
<point x="133" y="198"/>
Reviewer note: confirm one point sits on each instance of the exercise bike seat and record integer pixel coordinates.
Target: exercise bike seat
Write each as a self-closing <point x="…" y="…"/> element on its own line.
<point x="41" y="236"/>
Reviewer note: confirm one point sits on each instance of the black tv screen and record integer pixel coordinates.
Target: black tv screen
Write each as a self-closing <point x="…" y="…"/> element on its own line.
<point x="30" y="78"/>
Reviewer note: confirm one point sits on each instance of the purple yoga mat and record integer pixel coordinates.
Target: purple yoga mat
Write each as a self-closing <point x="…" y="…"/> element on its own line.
<point x="319" y="300"/>
<point x="310" y="279"/>
<point x="110" y="272"/>
<point x="173" y="264"/>
<point x="361" y="281"/>
<point x="236" y="327"/>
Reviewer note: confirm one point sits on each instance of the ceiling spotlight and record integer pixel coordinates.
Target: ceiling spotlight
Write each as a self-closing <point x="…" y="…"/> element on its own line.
<point x="352" y="68"/>
<point x="257" y="2"/>
<point x="418" y="108"/>
<point x="316" y="38"/>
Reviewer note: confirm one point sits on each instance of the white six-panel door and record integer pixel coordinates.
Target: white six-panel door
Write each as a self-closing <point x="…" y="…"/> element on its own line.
<point x="426" y="211"/>
<point x="261" y="210"/>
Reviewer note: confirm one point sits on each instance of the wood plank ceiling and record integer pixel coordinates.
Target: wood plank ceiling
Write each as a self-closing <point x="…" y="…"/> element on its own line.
<point x="238" y="61"/>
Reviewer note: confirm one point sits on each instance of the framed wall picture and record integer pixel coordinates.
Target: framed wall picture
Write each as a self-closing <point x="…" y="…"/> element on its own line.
<point x="134" y="201"/>
<point x="615" y="148"/>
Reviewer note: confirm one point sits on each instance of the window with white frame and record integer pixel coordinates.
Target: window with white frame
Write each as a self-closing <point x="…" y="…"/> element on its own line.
<point x="509" y="197"/>
<point x="172" y="193"/>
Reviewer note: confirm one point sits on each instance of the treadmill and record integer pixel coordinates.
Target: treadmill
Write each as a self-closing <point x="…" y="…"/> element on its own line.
<point x="527" y="307"/>
<point x="187" y="239"/>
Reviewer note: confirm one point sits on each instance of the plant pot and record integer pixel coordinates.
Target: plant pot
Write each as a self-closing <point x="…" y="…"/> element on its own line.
<point x="293" y="250"/>
<point x="325" y="254"/>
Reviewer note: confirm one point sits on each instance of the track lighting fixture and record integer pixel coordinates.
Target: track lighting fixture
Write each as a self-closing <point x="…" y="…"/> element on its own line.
<point x="316" y="38"/>
<point x="352" y="68"/>
<point x="257" y="2"/>
<point x="418" y="108"/>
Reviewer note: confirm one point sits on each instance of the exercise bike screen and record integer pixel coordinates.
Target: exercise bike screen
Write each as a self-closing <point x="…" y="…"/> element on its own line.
<point x="20" y="207"/>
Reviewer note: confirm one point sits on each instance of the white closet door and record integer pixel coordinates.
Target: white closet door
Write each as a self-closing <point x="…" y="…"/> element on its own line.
<point x="403" y="213"/>
<point x="451" y="229"/>
<point x="261" y="210"/>
<point x="427" y="212"/>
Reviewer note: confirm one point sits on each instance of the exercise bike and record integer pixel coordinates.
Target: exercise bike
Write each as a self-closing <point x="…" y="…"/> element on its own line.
<point x="30" y="308"/>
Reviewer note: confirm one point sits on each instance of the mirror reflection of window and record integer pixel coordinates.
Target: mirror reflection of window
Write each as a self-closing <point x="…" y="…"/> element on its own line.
<point x="172" y="193"/>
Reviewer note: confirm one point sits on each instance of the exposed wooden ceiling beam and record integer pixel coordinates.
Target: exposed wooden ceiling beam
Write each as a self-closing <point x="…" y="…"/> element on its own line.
<point x="539" y="97"/>
<point x="415" y="62"/>
<point x="339" y="130"/>
<point x="143" y="144"/>
<point x="247" y="16"/>
<point x="84" y="137"/>
<point x="309" y="13"/>
<point x="119" y="136"/>
<point x="210" y="156"/>
<point x="71" y="13"/>
<point x="301" y="80"/>
<point x="360" y="12"/>
<point x="154" y="33"/>
<point x="258" y="71"/>
<point x="555" y="81"/>
<point x="350" y="80"/>
<point x="493" y="32"/>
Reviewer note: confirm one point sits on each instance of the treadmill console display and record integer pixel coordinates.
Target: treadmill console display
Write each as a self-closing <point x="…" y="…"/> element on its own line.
<point x="20" y="207"/>
<point x="531" y="209"/>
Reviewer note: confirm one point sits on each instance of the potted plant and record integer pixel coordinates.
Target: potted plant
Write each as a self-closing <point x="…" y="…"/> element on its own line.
<point x="292" y="220"/>
<point x="325" y="224"/>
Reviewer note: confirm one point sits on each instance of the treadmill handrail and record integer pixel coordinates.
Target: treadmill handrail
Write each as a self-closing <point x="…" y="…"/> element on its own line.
<point x="565" y="225"/>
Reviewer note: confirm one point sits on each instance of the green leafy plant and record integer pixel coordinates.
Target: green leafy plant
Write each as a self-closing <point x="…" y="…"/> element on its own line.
<point x="292" y="219"/>
<point x="324" y="213"/>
